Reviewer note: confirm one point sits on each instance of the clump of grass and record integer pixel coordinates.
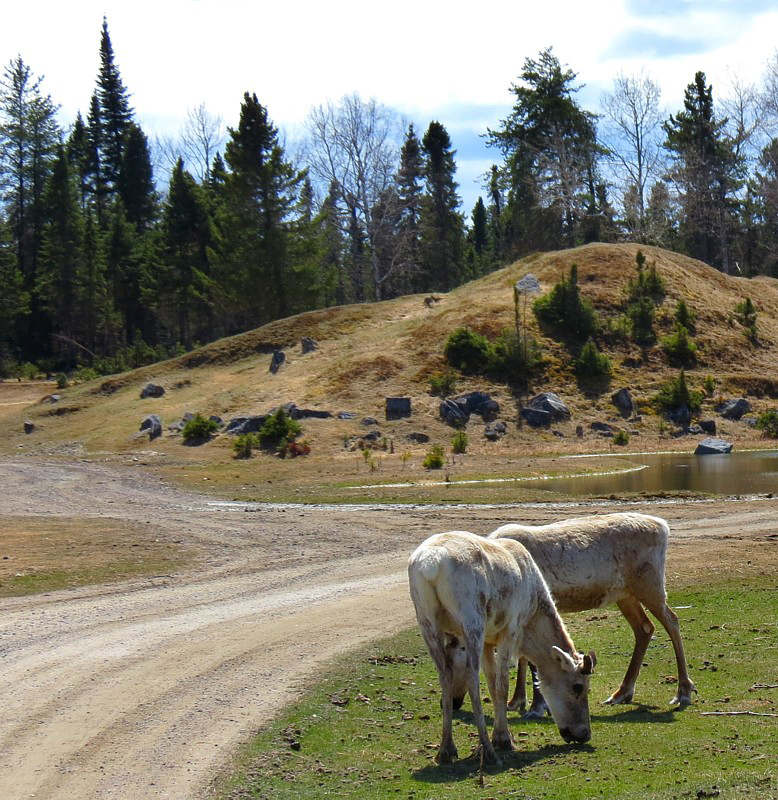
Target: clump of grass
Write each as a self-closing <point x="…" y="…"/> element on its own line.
<point x="459" y="442"/>
<point x="435" y="458"/>
<point x="621" y="437"/>
<point x="443" y="383"/>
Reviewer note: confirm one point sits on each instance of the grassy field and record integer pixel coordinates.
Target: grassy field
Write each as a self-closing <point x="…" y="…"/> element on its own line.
<point x="371" y="727"/>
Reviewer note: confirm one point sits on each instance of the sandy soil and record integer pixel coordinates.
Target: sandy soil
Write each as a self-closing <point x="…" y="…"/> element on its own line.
<point x="144" y="689"/>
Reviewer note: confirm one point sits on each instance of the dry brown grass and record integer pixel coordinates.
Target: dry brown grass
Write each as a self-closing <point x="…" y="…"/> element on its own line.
<point x="369" y="352"/>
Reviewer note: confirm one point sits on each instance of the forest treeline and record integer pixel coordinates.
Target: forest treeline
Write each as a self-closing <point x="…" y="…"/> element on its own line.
<point x="105" y="264"/>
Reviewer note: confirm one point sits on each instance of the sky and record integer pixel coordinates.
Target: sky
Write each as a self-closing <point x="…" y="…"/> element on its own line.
<point x="452" y="62"/>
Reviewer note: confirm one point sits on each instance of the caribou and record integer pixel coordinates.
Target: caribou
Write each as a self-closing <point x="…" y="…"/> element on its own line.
<point x="490" y="595"/>
<point x="590" y="562"/>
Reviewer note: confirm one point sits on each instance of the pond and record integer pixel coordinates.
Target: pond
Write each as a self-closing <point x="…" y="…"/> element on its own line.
<point x="744" y="472"/>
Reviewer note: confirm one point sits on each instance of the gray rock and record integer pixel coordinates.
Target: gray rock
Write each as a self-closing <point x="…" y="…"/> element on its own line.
<point x="601" y="427"/>
<point x="695" y="430"/>
<point x="680" y="416"/>
<point x="495" y="430"/>
<point x="709" y="426"/>
<point x="712" y="446"/>
<point x="750" y="421"/>
<point x="276" y="360"/>
<point x="734" y="409"/>
<point x="218" y="420"/>
<point x="398" y="407"/>
<point x="623" y="402"/>
<point x="251" y="424"/>
<point x="536" y="417"/>
<point x="153" y="424"/>
<point x="29" y="426"/>
<point x="418" y="438"/>
<point x="373" y="436"/>
<point x="346" y="415"/>
<point x="308" y="345"/>
<point x="369" y="421"/>
<point x="151" y="390"/>
<point x="312" y="413"/>
<point x="558" y="433"/>
<point x="452" y="413"/>
<point x="550" y="402"/>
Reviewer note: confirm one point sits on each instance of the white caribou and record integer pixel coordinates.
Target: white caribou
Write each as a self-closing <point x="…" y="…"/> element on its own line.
<point x="490" y="595"/>
<point x="591" y="562"/>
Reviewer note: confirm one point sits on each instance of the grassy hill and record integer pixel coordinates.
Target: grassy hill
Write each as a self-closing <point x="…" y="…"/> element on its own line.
<point x="369" y="352"/>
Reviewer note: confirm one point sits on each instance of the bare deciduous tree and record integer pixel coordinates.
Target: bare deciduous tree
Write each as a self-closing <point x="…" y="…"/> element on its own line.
<point x="355" y="144"/>
<point x="632" y="135"/>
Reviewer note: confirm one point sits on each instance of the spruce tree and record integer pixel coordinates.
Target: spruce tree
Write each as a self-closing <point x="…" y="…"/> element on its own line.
<point x="137" y="180"/>
<point x="62" y="260"/>
<point x="116" y="114"/>
<point x="187" y="236"/>
<point x="262" y="195"/>
<point x="410" y="193"/>
<point x="442" y="225"/>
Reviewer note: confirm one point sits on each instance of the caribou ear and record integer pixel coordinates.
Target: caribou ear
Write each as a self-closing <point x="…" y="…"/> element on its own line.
<point x="565" y="660"/>
<point x="589" y="663"/>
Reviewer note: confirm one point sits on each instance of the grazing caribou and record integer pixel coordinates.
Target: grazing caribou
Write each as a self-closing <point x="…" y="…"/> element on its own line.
<point x="590" y="562"/>
<point x="490" y="595"/>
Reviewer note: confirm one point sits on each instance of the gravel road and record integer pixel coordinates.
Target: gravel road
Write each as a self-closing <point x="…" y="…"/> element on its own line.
<point x="144" y="689"/>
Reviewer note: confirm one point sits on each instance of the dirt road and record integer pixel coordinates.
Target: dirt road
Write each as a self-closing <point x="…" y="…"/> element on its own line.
<point x="144" y="689"/>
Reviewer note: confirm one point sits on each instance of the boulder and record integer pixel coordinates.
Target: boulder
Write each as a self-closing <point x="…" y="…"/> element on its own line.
<point x="734" y="409"/>
<point x="151" y="390"/>
<point x="153" y="424"/>
<point x="623" y="402"/>
<point x="680" y="416"/>
<point x="240" y="425"/>
<point x="712" y="446"/>
<point x="452" y="413"/>
<point x="708" y="426"/>
<point x="29" y="426"/>
<point x="495" y="430"/>
<point x="418" y="438"/>
<point x="398" y="407"/>
<point x="312" y="413"/>
<point x="369" y="421"/>
<point x="217" y="419"/>
<point x="550" y="402"/>
<point x="601" y="427"/>
<point x="346" y="415"/>
<point x="276" y="360"/>
<point x="536" y="417"/>
<point x="373" y="436"/>
<point x="308" y="345"/>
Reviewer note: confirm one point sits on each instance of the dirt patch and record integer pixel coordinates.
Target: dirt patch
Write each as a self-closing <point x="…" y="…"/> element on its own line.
<point x="44" y="554"/>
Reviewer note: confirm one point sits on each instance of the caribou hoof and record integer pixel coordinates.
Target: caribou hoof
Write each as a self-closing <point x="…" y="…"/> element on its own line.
<point x="617" y="699"/>
<point x="502" y="741"/>
<point x="488" y="756"/>
<point x="447" y="755"/>
<point x="517" y="705"/>
<point x="684" y="698"/>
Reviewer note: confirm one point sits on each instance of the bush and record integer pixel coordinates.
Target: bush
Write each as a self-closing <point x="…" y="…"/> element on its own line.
<point x="435" y="458"/>
<point x="767" y="421"/>
<point x="640" y="315"/>
<point x="564" y="310"/>
<point x="709" y="385"/>
<point x="515" y="358"/>
<point x="86" y="374"/>
<point x="459" y="442"/>
<point x="243" y="445"/>
<point x="679" y="346"/>
<point x="647" y="284"/>
<point x="685" y="316"/>
<point x="468" y="351"/>
<point x="62" y="381"/>
<point x="676" y="394"/>
<point x="293" y="449"/>
<point x="444" y="383"/>
<point x="199" y="428"/>
<point x="745" y="313"/>
<point x="278" y="430"/>
<point x="621" y="438"/>
<point x="591" y="364"/>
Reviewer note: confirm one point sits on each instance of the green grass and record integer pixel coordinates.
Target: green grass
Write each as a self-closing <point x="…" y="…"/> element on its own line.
<point x="54" y="580"/>
<point x="370" y="729"/>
